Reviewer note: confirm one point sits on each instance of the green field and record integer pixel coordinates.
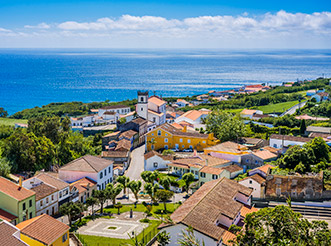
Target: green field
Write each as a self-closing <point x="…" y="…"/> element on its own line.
<point x="237" y="110"/>
<point x="11" y="122"/>
<point x="277" y="108"/>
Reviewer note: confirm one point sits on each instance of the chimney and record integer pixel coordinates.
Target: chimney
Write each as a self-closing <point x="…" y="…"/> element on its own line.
<point x="20" y="182"/>
<point x="185" y="129"/>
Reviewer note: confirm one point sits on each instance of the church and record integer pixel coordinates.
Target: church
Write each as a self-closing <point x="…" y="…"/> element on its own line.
<point x="151" y="108"/>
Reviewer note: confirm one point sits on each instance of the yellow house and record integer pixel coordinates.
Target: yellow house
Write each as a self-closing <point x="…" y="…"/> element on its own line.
<point x="167" y="136"/>
<point x="44" y="230"/>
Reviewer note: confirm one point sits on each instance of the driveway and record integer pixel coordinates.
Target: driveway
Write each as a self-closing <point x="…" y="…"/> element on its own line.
<point x="137" y="163"/>
<point x="294" y="108"/>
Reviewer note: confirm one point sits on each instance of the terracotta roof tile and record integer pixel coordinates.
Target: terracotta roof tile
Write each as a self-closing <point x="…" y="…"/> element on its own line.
<point x="264" y="154"/>
<point x="128" y="134"/>
<point x="156" y="100"/>
<point x="192" y="115"/>
<point x="290" y="138"/>
<point x="233" y="168"/>
<point x="53" y="181"/>
<point x="229" y="146"/>
<point x="82" y="184"/>
<point x="211" y="170"/>
<point x="174" y="131"/>
<point x="115" y="107"/>
<point x="7" y="237"/>
<point x="87" y="163"/>
<point x="264" y="168"/>
<point x="247" y="210"/>
<point x="43" y="228"/>
<point x="204" y="207"/>
<point x="256" y="177"/>
<point x="123" y="144"/>
<point x="43" y="190"/>
<point x="115" y="153"/>
<point x="154" y="153"/>
<point x="112" y="134"/>
<point x="13" y="190"/>
<point x="4" y="215"/>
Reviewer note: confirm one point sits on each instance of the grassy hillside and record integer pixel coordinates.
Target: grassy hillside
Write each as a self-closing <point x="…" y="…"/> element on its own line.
<point x="278" y="107"/>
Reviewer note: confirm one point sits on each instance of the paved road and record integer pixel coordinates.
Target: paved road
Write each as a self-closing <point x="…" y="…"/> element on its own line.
<point x="137" y="163"/>
<point x="294" y="108"/>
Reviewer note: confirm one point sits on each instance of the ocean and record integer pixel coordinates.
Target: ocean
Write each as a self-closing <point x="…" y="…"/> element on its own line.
<point x="35" y="77"/>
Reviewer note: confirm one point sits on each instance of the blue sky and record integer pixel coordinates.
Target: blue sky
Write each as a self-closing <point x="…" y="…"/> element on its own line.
<point x="166" y="24"/>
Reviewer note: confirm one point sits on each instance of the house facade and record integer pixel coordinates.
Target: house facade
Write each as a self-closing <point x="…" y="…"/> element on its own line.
<point x="256" y="183"/>
<point x="98" y="169"/>
<point x="17" y="201"/>
<point x="46" y="199"/>
<point x="283" y="141"/>
<point x="155" y="161"/>
<point x="82" y="189"/>
<point x="167" y="137"/>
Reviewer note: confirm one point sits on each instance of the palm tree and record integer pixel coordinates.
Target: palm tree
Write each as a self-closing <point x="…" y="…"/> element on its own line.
<point x="188" y="179"/>
<point x="82" y="208"/>
<point x="135" y="187"/>
<point x="101" y="195"/>
<point x="124" y="181"/>
<point x="188" y="238"/>
<point x="163" y="238"/>
<point x="151" y="190"/>
<point x="91" y="201"/>
<point x="113" y="191"/>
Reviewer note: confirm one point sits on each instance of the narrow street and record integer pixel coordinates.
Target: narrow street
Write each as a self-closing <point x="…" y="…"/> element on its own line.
<point x="137" y="163"/>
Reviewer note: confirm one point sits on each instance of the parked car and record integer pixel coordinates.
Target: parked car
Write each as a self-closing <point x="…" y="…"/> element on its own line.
<point x="187" y="150"/>
<point x="175" y="150"/>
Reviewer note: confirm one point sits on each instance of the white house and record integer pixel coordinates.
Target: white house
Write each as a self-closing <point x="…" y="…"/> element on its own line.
<point x="182" y="103"/>
<point x="120" y="109"/>
<point x="83" y="121"/>
<point x="46" y="199"/>
<point x="256" y="183"/>
<point x="151" y="108"/>
<point x="156" y="161"/>
<point x="193" y="117"/>
<point x="282" y="141"/>
<point x="249" y="113"/>
<point x="210" y="211"/>
<point x="61" y="186"/>
<point x="98" y="169"/>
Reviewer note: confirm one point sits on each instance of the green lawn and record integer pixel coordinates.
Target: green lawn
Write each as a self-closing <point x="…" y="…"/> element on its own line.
<point x="237" y="110"/>
<point x="103" y="241"/>
<point x="11" y="122"/>
<point x="171" y="207"/>
<point x="277" y="108"/>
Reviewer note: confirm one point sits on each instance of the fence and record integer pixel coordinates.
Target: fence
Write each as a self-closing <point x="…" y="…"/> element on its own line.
<point x="142" y="239"/>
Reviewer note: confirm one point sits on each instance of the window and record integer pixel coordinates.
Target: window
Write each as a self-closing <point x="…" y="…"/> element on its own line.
<point x="250" y="181"/>
<point x="101" y="175"/>
<point x="202" y="175"/>
<point x="159" y="133"/>
<point x="30" y="203"/>
<point x="278" y="191"/>
<point x="141" y="99"/>
<point x="191" y="147"/>
<point x="215" y="176"/>
<point x="154" y="119"/>
<point x="105" y="172"/>
<point x="52" y="197"/>
<point x="166" y="134"/>
<point x="275" y="146"/>
<point x="256" y="162"/>
<point x="23" y="205"/>
<point x="204" y="142"/>
<point x="109" y="169"/>
<point x="141" y="109"/>
<point x="65" y="192"/>
<point x="30" y="215"/>
<point x="183" y="146"/>
<point x="247" y="160"/>
<point x="181" y="140"/>
<point x="152" y="146"/>
<point x="188" y="140"/>
<point x="60" y="194"/>
<point x="41" y="203"/>
<point x="46" y="199"/>
<point x="166" y="146"/>
<point x="152" y="134"/>
<point x="196" y="172"/>
<point x="166" y="140"/>
<point x="64" y="238"/>
<point x="155" y="164"/>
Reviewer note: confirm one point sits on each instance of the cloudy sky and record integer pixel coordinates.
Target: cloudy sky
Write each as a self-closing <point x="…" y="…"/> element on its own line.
<point x="165" y="24"/>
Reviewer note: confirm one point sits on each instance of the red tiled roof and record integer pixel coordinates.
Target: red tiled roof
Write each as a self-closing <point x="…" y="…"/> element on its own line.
<point x="264" y="154"/>
<point x="7" y="237"/>
<point x="43" y="228"/>
<point x="82" y="184"/>
<point x="4" y="215"/>
<point x="13" y="190"/>
<point x="156" y="100"/>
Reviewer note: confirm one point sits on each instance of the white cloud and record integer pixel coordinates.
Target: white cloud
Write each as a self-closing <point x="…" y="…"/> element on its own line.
<point x="39" y="26"/>
<point x="270" y="30"/>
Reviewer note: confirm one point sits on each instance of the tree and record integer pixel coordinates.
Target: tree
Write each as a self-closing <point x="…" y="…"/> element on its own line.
<point x="165" y="182"/>
<point x="188" y="238"/>
<point x="70" y="209"/>
<point x="113" y="191"/>
<point x="151" y="190"/>
<point x="168" y="152"/>
<point x="135" y="187"/>
<point x="82" y="209"/>
<point x="188" y="179"/>
<point x="4" y="167"/>
<point x="124" y="181"/>
<point x="282" y="226"/>
<point x="27" y="152"/>
<point x="302" y="126"/>
<point x="118" y="206"/>
<point x="101" y="195"/>
<point x="164" y="196"/>
<point x="163" y="238"/>
<point x="91" y="201"/>
<point x="3" y="113"/>
<point x="225" y="126"/>
<point x="149" y="177"/>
